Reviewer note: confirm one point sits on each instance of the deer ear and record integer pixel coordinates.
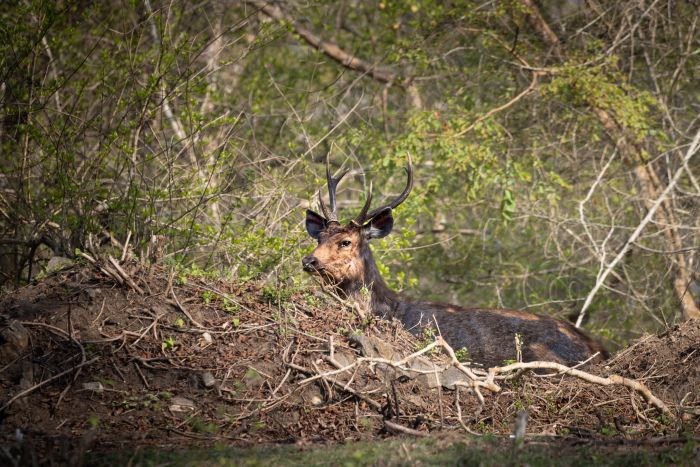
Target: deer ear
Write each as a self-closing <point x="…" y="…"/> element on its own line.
<point x="380" y="226"/>
<point x="315" y="224"/>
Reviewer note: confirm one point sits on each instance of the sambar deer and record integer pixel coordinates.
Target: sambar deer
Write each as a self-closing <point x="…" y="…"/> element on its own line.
<point x="343" y="259"/>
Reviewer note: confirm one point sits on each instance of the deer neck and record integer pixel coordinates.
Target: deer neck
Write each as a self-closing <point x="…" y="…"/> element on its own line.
<point x="370" y="291"/>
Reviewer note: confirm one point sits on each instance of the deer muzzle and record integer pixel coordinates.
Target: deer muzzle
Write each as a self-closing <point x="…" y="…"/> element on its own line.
<point x="311" y="264"/>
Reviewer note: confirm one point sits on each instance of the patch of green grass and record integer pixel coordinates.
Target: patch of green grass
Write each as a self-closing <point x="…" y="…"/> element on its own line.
<point x="277" y="295"/>
<point x="437" y="451"/>
<point x="312" y="299"/>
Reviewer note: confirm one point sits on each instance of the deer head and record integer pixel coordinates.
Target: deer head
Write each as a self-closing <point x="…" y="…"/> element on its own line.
<point x="343" y="252"/>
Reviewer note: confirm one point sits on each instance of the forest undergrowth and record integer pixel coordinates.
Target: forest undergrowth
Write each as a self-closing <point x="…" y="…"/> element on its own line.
<point x="170" y="361"/>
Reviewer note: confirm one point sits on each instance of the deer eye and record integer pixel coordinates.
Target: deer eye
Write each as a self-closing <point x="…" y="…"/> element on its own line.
<point x="345" y="243"/>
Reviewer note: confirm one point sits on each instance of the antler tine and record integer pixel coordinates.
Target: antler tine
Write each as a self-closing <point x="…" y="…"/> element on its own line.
<point x="402" y="197"/>
<point x="324" y="208"/>
<point x="363" y="213"/>
<point x="332" y="215"/>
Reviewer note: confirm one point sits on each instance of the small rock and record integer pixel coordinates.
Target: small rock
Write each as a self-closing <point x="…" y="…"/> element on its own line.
<point x="207" y="338"/>
<point x="208" y="380"/>
<point x="423" y="370"/>
<point x="452" y="375"/>
<point x="374" y="347"/>
<point x="95" y="386"/>
<point x="345" y="357"/>
<point x="160" y="309"/>
<point x="315" y="400"/>
<point x="310" y="394"/>
<point x="57" y="263"/>
<point x="194" y="380"/>
<point x="181" y="405"/>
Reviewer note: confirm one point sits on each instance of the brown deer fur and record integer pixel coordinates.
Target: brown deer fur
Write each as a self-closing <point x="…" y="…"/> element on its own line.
<point x="343" y="259"/>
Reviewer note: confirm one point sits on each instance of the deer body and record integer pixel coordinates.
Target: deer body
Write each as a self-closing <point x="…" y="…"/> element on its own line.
<point x="344" y="260"/>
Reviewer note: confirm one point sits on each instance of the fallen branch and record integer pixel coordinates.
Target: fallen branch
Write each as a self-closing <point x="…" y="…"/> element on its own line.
<point x="396" y="364"/>
<point x="402" y="429"/>
<point x="45" y="382"/>
<point x="476" y="382"/>
<point x="175" y="302"/>
<point x="125" y="276"/>
<point x="118" y="273"/>
<point x="609" y="381"/>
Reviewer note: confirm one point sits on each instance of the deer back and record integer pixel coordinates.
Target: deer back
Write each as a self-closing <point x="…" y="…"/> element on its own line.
<point x="489" y="335"/>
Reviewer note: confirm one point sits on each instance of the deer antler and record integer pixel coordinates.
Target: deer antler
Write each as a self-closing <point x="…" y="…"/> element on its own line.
<point x="332" y="215"/>
<point x="364" y="215"/>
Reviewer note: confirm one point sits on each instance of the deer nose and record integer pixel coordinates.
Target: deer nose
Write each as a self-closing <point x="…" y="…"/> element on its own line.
<point x="310" y="263"/>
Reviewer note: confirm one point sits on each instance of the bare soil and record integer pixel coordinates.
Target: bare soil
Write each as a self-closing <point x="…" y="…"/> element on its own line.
<point x="192" y="361"/>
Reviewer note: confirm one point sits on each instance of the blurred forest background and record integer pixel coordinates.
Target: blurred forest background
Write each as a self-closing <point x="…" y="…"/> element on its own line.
<point x="553" y="143"/>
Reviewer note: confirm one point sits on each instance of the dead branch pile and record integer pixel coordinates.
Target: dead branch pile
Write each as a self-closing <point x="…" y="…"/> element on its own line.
<point x="143" y="355"/>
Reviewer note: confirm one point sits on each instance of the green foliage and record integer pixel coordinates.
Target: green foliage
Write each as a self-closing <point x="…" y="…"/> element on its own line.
<point x="165" y="395"/>
<point x="207" y="296"/>
<point x="312" y="299"/>
<point x="93" y="421"/>
<point x="200" y="425"/>
<point x="251" y="374"/>
<point x="147" y="401"/>
<point x="427" y="337"/>
<point x="277" y="295"/>
<point x="462" y="354"/>
<point x="264" y="251"/>
<point x="230" y="306"/>
<point x="604" y="87"/>
<point x="168" y="343"/>
<point x="216" y="146"/>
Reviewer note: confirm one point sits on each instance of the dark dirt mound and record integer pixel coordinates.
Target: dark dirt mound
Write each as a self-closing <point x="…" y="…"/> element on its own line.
<point x="167" y="360"/>
<point x="669" y="363"/>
